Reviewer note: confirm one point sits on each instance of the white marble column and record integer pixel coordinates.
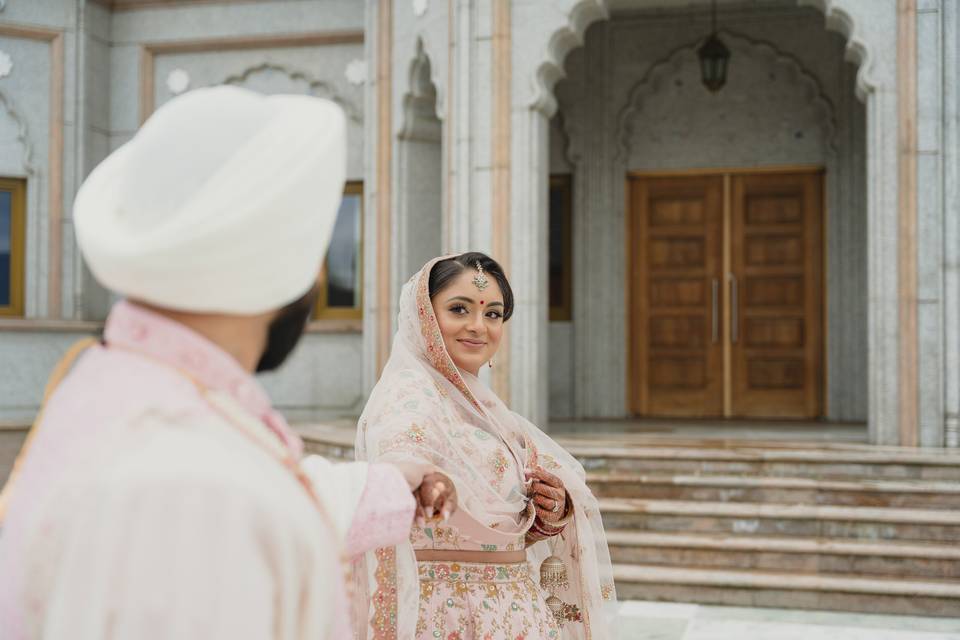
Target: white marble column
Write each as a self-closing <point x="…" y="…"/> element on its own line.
<point x="930" y="225"/>
<point x="950" y="23"/>
<point x="529" y="360"/>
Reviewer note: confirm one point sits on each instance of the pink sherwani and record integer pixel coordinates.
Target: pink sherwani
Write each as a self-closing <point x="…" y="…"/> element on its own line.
<point x="154" y="503"/>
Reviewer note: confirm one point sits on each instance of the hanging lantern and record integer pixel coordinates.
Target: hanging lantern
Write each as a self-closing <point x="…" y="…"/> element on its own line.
<point x="714" y="57"/>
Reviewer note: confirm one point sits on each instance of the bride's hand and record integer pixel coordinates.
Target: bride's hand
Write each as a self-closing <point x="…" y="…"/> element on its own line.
<point x="436" y="497"/>
<point x="548" y="494"/>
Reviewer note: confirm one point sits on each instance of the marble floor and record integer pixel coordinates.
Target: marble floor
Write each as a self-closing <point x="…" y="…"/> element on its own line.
<point x="669" y="621"/>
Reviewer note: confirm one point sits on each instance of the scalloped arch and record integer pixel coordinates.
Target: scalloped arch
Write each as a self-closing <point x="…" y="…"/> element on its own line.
<point x="652" y="80"/>
<point x="585" y="12"/>
<point x="23" y="135"/>
<point x="562" y="42"/>
<point x="857" y="50"/>
<point x="349" y="108"/>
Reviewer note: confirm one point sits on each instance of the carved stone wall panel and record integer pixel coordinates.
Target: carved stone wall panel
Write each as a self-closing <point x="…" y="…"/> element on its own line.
<point x="309" y="71"/>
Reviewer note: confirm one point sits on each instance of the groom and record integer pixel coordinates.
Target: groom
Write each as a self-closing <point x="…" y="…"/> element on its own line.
<point x="162" y="496"/>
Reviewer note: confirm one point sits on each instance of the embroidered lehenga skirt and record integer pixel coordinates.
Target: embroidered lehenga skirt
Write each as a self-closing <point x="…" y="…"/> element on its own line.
<point x="480" y="601"/>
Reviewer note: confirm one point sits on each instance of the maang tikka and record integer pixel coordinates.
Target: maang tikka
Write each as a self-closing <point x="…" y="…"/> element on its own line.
<point x="480" y="280"/>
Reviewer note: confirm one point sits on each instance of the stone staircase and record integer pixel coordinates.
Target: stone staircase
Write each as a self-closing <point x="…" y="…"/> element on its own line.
<point x="770" y="524"/>
<point x="849" y="527"/>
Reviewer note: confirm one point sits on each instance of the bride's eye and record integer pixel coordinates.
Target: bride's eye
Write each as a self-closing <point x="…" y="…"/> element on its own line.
<point x="458" y="309"/>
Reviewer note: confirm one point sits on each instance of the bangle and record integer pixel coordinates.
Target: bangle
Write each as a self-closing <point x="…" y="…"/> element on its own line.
<point x="546" y="531"/>
<point x="533" y="536"/>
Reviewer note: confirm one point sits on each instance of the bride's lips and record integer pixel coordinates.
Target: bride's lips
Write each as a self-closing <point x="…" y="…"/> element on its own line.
<point x="472" y="344"/>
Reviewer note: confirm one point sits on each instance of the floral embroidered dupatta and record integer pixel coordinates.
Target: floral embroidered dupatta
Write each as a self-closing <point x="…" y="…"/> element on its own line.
<point x="420" y="392"/>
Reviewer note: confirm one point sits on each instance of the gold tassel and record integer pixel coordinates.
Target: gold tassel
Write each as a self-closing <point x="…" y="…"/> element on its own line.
<point x="553" y="578"/>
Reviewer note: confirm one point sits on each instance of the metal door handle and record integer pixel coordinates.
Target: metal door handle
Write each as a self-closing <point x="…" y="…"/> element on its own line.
<point x="715" y="319"/>
<point x="734" y="309"/>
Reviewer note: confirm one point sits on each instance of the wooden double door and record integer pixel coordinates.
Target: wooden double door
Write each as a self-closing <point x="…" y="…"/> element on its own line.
<point x="726" y="295"/>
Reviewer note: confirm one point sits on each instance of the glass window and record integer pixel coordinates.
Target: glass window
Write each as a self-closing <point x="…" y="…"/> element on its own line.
<point x="561" y="247"/>
<point x="341" y="292"/>
<point x="12" y="196"/>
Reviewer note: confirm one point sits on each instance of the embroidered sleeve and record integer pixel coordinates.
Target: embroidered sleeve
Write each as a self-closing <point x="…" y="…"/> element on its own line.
<point x="384" y="512"/>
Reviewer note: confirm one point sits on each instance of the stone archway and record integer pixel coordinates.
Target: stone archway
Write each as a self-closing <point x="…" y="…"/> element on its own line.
<point x="539" y="64"/>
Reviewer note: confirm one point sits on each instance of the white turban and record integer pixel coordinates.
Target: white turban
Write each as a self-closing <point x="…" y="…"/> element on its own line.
<point x="223" y="202"/>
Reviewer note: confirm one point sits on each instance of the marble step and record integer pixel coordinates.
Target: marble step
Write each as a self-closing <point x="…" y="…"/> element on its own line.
<point x="751" y="588"/>
<point x="914" y="494"/>
<point x="786" y="520"/>
<point x="826" y="463"/>
<point x="804" y="555"/>
<point x="653" y="456"/>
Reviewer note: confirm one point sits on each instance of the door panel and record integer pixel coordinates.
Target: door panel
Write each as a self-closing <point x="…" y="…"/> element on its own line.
<point x="752" y="334"/>
<point x="676" y="261"/>
<point x="775" y="250"/>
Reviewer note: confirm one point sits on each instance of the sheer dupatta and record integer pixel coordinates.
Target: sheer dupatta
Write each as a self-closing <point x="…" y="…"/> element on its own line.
<point x="405" y="421"/>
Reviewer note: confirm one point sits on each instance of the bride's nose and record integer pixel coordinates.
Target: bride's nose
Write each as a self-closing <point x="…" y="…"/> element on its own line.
<point x="476" y="323"/>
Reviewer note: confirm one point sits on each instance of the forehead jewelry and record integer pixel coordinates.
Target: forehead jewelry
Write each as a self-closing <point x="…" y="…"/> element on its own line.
<point x="480" y="280"/>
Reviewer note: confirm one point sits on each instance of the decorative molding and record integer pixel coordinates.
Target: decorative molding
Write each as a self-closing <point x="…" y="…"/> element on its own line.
<point x="55" y="205"/>
<point x="6" y="64"/>
<point x="149" y="51"/>
<point x="562" y="42"/>
<point x="55" y="161"/>
<point x="137" y="5"/>
<point x="49" y="326"/>
<point x="384" y="179"/>
<point x="349" y="108"/>
<point x="356" y="72"/>
<point x="652" y="80"/>
<point x="419" y="7"/>
<point x="335" y="326"/>
<point x="907" y="269"/>
<point x="23" y="135"/>
<point x="178" y="81"/>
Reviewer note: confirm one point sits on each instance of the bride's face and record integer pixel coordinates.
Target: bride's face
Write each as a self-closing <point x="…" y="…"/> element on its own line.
<point x="470" y="320"/>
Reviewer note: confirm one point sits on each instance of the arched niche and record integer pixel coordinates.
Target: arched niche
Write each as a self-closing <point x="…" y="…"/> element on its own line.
<point x="419" y="223"/>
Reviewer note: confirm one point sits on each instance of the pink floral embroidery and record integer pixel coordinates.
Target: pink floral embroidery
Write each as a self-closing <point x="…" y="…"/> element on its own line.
<point x="499" y="463"/>
<point x="416" y="434"/>
<point x="436" y="351"/>
<point x="385" y="598"/>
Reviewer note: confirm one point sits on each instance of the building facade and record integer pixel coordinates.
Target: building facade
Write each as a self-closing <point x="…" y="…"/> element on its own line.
<point x="783" y="248"/>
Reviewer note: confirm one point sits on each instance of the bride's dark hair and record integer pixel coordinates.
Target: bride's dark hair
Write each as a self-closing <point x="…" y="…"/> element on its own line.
<point x="445" y="271"/>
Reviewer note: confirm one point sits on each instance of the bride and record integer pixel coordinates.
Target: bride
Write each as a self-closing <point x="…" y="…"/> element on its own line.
<point x="522" y="498"/>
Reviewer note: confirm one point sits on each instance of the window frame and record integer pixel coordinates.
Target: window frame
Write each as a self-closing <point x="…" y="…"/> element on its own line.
<point x="18" y="219"/>
<point x="322" y="312"/>
<point x="564" y="312"/>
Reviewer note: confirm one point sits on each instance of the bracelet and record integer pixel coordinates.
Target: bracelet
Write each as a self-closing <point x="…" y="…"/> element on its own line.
<point x="533" y="536"/>
<point x="546" y="530"/>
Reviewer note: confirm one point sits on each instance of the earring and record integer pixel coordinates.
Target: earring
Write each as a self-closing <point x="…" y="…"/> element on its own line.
<point x="490" y="363"/>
